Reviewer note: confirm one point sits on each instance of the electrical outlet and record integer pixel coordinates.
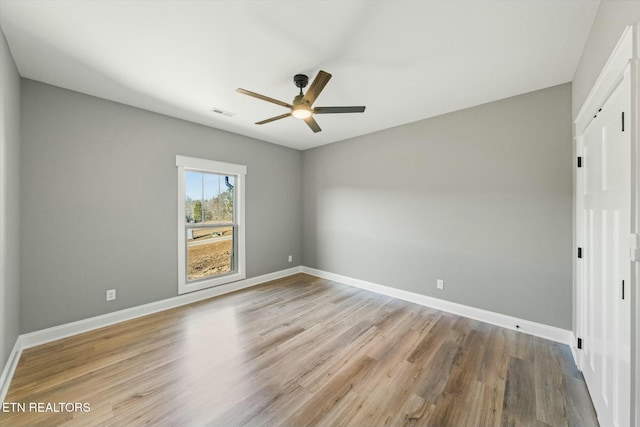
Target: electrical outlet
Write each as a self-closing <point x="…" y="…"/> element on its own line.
<point x="111" y="294"/>
<point x="440" y="284"/>
<point x="290" y="258"/>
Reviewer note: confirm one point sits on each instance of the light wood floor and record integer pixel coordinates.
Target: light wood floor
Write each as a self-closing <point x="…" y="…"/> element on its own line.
<point x="303" y="351"/>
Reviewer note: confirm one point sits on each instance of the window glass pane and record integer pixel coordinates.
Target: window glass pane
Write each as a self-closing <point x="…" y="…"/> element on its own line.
<point x="209" y="252"/>
<point x="193" y="196"/>
<point x="209" y="198"/>
<point x="226" y="199"/>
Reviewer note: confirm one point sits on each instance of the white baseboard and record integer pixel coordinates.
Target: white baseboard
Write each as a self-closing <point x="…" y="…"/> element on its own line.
<point x="574" y="350"/>
<point x="43" y="336"/>
<point x="10" y="368"/>
<point x="532" y="328"/>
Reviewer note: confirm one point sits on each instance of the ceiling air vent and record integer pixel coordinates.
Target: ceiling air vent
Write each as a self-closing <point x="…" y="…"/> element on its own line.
<point x="222" y="112"/>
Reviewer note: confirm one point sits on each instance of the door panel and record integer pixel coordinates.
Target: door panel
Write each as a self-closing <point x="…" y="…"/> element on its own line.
<point x="605" y="316"/>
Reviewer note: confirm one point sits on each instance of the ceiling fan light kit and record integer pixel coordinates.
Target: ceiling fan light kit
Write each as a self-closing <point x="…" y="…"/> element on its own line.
<point x="300" y="111"/>
<point x="301" y="107"/>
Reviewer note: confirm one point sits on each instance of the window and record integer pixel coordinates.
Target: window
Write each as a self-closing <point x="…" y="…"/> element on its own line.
<point x="210" y="223"/>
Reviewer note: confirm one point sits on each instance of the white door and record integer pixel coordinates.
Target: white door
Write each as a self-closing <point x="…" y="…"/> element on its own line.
<point x="605" y="266"/>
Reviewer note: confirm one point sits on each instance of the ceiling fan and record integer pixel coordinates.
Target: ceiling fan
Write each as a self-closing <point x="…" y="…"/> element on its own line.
<point x="301" y="106"/>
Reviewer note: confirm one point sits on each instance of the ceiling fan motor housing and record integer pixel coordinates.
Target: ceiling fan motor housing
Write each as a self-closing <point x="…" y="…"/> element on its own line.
<point x="301" y="80"/>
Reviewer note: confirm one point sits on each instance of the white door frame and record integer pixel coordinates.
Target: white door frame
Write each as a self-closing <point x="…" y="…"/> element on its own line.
<point x="626" y="53"/>
<point x="635" y="227"/>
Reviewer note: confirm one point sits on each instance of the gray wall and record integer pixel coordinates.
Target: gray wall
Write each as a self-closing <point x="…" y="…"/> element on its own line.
<point x="99" y="203"/>
<point x="612" y="17"/>
<point x="481" y="198"/>
<point x="9" y="202"/>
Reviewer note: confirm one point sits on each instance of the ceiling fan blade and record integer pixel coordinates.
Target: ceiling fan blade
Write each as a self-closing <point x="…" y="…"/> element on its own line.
<point x="332" y="110"/>
<point x="264" y="98"/>
<point x="316" y="87"/>
<point x="312" y="124"/>
<point x="273" y="119"/>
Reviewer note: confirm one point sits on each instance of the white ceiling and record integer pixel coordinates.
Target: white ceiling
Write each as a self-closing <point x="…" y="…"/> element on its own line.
<point x="404" y="60"/>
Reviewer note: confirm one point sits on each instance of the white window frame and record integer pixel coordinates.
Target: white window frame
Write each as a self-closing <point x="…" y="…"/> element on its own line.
<point x="183" y="164"/>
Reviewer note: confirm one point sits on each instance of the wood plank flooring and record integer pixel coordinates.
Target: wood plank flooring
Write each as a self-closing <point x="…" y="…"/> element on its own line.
<point x="302" y="351"/>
